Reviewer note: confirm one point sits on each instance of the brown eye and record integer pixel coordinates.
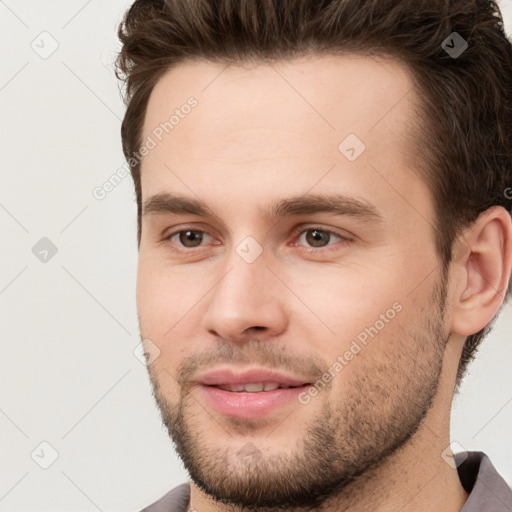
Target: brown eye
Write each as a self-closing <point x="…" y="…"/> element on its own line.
<point x="186" y="238"/>
<point x="190" y="238"/>
<point x="317" y="237"/>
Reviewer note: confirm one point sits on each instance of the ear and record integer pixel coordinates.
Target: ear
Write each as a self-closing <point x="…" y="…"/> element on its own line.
<point x="481" y="268"/>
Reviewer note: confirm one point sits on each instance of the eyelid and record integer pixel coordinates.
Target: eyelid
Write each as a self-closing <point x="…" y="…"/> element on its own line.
<point x="174" y="230"/>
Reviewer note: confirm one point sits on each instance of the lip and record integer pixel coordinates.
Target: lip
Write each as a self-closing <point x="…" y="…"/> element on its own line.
<point x="249" y="405"/>
<point x="245" y="405"/>
<point x="228" y="376"/>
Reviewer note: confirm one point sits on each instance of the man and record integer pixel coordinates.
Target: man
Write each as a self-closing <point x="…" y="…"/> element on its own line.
<point x="324" y="240"/>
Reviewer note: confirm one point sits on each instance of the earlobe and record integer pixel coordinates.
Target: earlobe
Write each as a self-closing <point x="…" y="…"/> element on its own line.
<point x="482" y="271"/>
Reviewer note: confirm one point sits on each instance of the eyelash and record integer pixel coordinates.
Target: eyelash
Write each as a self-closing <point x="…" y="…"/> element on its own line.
<point x="343" y="239"/>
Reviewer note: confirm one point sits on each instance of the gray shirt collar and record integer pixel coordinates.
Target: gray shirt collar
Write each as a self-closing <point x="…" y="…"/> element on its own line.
<point x="488" y="492"/>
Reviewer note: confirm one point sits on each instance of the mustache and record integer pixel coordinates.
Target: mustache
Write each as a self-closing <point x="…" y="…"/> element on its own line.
<point x="267" y="354"/>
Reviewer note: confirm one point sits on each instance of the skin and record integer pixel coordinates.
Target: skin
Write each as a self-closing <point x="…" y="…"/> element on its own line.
<point x="374" y="437"/>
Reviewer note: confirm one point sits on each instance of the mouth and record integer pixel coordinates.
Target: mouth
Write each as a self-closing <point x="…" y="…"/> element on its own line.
<point x="253" y="400"/>
<point x="251" y="393"/>
<point x="256" y="387"/>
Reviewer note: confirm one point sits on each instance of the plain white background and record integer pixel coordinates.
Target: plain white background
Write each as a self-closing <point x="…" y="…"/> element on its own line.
<point x="69" y="377"/>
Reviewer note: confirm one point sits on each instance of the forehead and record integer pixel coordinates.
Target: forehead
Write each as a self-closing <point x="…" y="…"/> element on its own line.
<point x="284" y="127"/>
<point x="324" y="95"/>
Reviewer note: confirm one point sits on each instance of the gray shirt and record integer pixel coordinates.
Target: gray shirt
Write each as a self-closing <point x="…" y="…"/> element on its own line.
<point x="487" y="490"/>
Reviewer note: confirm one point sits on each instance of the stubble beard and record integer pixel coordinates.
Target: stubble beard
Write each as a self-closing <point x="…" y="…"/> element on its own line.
<point x="382" y="406"/>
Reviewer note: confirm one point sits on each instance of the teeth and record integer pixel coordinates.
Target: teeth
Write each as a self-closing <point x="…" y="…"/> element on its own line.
<point x="254" y="387"/>
<point x="235" y="387"/>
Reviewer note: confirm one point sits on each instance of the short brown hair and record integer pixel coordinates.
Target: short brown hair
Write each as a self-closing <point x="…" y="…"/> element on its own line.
<point x="464" y="143"/>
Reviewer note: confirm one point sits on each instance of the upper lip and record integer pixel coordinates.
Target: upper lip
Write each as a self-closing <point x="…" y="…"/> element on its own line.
<point x="228" y="376"/>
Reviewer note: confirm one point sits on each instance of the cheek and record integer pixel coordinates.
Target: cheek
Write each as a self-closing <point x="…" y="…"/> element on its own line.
<point x="378" y="324"/>
<point x="378" y="360"/>
<point x="168" y="305"/>
<point x="148" y="297"/>
<point x="158" y="284"/>
<point x="340" y="303"/>
<point x="158" y="297"/>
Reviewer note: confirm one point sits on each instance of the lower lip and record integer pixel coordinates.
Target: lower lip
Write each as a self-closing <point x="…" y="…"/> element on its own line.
<point x="248" y="405"/>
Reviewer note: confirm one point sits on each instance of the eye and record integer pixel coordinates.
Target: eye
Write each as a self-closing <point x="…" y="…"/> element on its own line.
<point x="188" y="238"/>
<point x="314" y="237"/>
<point x="318" y="237"/>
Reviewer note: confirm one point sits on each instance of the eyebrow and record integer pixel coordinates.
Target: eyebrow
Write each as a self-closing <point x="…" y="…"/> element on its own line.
<point x="336" y="204"/>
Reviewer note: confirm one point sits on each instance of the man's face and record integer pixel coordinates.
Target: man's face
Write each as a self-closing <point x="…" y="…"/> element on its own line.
<point x="348" y="298"/>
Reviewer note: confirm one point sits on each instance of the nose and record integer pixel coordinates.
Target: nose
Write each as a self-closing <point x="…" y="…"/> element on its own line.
<point x="248" y="300"/>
